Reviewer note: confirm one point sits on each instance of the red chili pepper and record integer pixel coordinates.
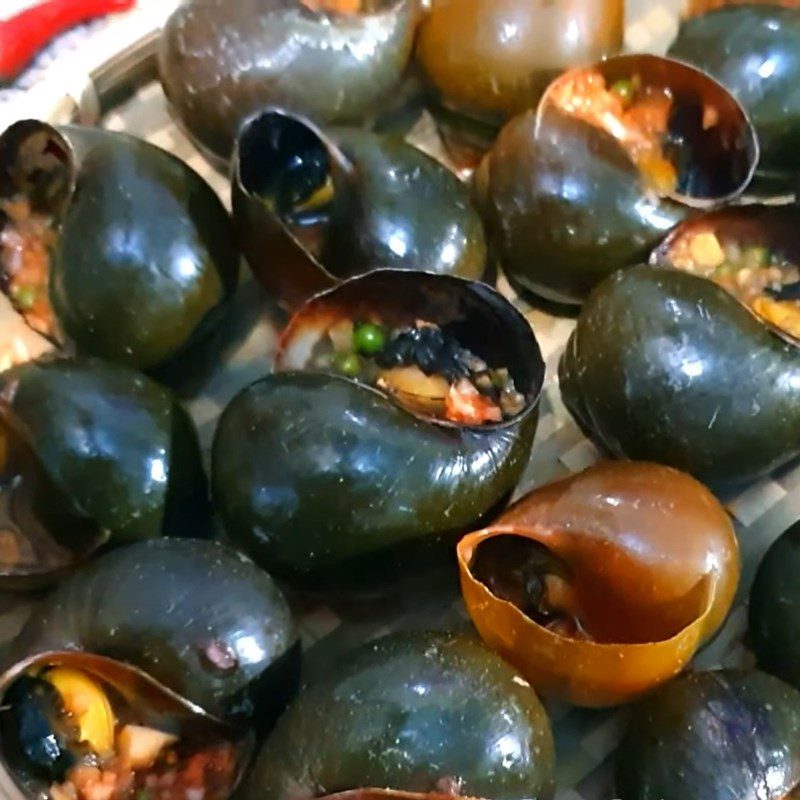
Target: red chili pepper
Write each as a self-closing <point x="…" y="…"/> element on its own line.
<point x="24" y="35"/>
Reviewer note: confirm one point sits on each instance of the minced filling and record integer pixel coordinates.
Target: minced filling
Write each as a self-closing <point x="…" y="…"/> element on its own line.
<point x="759" y="278"/>
<point x="203" y="775"/>
<point x="423" y="367"/>
<point x="88" y="743"/>
<point x="633" y="113"/>
<point x="25" y="244"/>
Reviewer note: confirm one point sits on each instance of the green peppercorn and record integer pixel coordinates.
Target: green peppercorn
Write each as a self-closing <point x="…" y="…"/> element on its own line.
<point x="24" y="296"/>
<point x="756" y="257"/>
<point x="348" y="364"/>
<point x="500" y="377"/>
<point x="726" y="268"/>
<point x="625" y="90"/>
<point x="368" y="338"/>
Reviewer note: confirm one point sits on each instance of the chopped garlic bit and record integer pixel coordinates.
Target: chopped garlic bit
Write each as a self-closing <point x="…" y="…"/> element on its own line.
<point x="139" y="747"/>
<point x="706" y="251"/>
<point x="66" y="792"/>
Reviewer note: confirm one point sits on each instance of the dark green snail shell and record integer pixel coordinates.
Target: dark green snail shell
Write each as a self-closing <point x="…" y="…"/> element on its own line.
<point x="724" y="735"/>
<point x="411" y="711"/>
<point x="666" y="366"/>
<point x="424" y="205"/>
<point x="313" y="472"/>
<point x="548" y="240"/>
<point x="564" y="203"/>
<point x="338" y="69"/>
<point x="775" y="609"/>
<point x="196" y="616"/>
<point x="145" y="256"/>
<point x="393" y="207"/>
<point x="321" y="478"/>
<point x="754" y="51"/>
<point x="119" y="446"/>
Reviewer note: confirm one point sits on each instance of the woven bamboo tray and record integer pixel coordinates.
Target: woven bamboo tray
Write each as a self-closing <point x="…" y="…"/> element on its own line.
<point x="123" y="94"/>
